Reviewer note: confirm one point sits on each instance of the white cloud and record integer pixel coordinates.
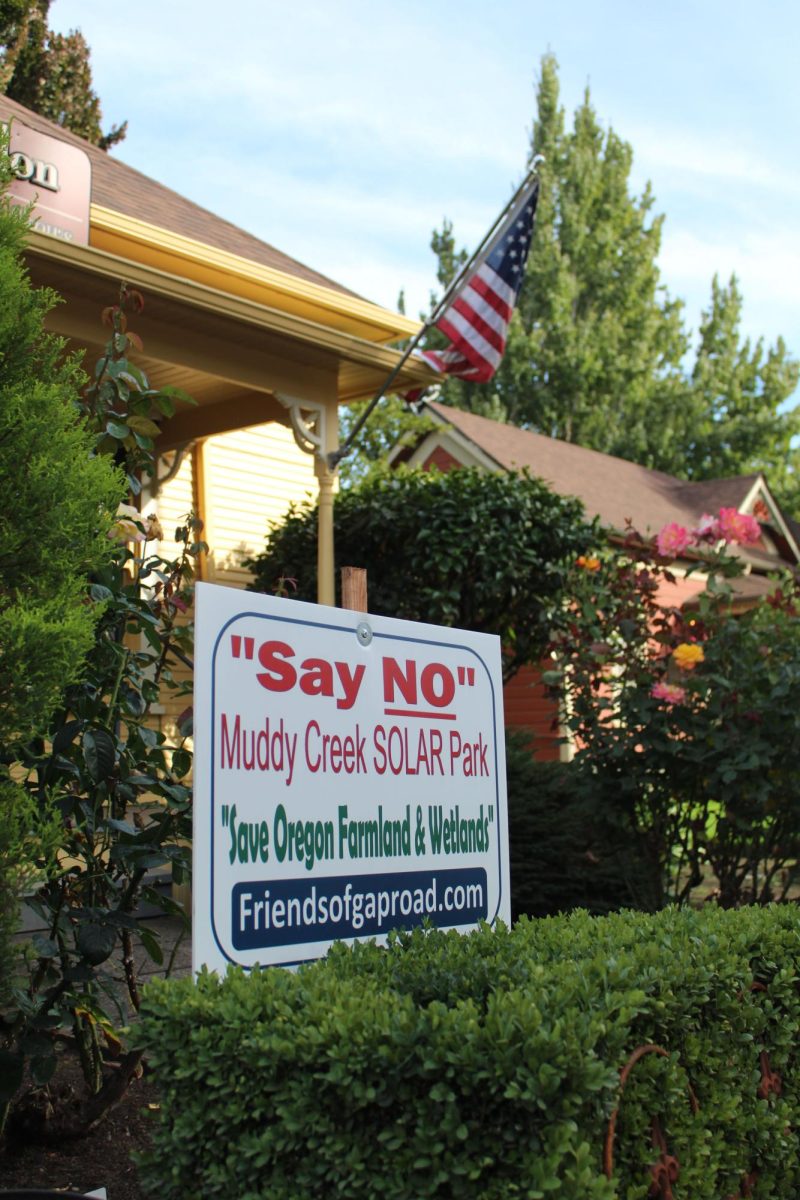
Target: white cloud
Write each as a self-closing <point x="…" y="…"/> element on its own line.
<point x="767" y="265"/>
<point x="694" y="154"/>
<point x="350" y="75"/>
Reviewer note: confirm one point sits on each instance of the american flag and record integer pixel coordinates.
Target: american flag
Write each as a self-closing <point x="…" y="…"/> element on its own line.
<point x="476" y="319"/>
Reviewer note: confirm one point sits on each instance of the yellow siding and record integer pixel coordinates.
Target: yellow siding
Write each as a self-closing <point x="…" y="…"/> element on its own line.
<point x="175" y="501"/>
<point x="252" y="475"/>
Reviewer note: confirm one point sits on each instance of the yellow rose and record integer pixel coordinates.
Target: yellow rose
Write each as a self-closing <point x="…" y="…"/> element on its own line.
<point x="133" y="526"/>
<point x="128" y="525"/>
<point x="688" y="655"/>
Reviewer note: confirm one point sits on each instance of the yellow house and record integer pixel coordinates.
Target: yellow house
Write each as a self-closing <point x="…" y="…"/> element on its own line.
<point x="268" y="347"/>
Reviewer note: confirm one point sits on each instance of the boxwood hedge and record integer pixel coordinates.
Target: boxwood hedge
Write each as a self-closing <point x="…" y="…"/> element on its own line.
<point x="487" y="1066"/>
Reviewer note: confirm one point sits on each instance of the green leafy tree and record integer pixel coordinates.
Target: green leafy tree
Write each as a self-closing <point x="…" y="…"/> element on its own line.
<point x="741" y="391"/>
<point x="595" y="344"/>
<point x="597" y="348"/>
<point x="15" y="20"/>
<point x="49" y="72"/>
<point x="392" y="424"/>
<point x="466" y="548"/>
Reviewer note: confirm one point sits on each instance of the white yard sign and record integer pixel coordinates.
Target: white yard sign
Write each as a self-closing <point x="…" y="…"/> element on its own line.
<point x="349" y="778"/>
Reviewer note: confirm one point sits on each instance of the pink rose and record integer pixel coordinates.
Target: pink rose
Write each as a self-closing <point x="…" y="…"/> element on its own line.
<point x="737" y="526"/>
<point x="673" y="540"/>
<point x="707" y="529"/>
<point x="668" y="692"/>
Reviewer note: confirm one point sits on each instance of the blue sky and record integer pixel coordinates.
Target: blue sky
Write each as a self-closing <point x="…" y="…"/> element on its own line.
<point x="342" y="132"/>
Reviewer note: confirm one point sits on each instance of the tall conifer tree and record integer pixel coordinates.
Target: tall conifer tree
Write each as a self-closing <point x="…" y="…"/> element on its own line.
<point x="741" y="391"/>
<point x="49" y="72"/>
<point x="597" y="349"/>
<point x="56" y="497"/>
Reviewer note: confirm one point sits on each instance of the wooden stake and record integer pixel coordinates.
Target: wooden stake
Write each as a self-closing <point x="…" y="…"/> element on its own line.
<point x="354" y="589"/>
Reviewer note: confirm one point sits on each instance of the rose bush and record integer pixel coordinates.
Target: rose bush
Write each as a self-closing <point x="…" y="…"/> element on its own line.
<point x="684" y="720"/>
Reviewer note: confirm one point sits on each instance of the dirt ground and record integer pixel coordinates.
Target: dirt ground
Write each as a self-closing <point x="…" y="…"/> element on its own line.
<point x="104" y="1158"/>
<point x="101" y="1160"/>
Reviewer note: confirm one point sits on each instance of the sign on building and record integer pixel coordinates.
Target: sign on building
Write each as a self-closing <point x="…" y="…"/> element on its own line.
<point x="349" y="779"/>
<point x="56" y="178"/>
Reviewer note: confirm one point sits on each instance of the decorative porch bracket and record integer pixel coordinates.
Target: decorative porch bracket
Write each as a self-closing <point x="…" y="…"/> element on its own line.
<point x="178" y="454"/>
<point x="308" y="422"/>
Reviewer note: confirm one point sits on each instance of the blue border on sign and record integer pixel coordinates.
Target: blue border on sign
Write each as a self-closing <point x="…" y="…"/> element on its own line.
<point x="336" y="629"/>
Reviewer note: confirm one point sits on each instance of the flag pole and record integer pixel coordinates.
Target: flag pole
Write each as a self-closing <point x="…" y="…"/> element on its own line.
<point x="467" y="269"/>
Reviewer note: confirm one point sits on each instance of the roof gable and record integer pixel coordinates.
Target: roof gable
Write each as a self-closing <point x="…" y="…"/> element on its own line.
<point x="614" y="489"/>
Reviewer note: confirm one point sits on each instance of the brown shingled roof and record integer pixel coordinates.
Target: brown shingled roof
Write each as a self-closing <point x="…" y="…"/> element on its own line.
<point x="612" y="488"/>
<point x="125" y="190"/>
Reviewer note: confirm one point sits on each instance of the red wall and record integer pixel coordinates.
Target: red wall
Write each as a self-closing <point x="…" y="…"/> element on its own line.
<point x="442" y="459"/>
<point x="527" y="704"/>
<point x="528" y="707"/>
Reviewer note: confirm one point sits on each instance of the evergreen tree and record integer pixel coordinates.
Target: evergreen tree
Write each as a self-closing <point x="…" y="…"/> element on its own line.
<point x="742" y="392"/>
<point x="596" y="348"/>
<point x="15" y="19"/>
<point x="53" y="493"/>
<point x="55" y="500"/>
<point x="449" y="260"/>
<point x="391" y="424"/>
<point x="595" y="345"/>
<point x="49" y="72"/>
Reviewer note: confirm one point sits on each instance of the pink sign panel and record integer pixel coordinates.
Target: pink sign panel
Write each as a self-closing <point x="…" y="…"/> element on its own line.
<point x="56" y="178"/>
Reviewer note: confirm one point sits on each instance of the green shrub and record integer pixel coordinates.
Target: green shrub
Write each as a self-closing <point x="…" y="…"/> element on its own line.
<point x="487" y="1066"/>
<point x="566" y="845"/>
<point x="468" y="548"/>
<point x="12" y="836"/>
